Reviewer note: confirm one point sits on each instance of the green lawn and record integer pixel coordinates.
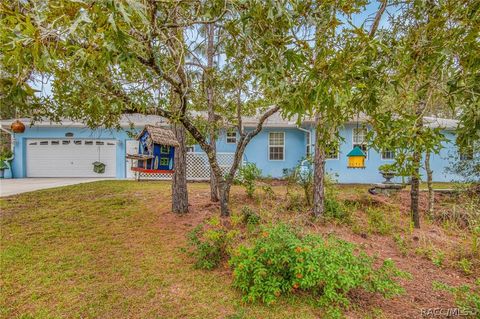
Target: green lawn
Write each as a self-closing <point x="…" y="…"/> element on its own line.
<point x="112" y="249"/>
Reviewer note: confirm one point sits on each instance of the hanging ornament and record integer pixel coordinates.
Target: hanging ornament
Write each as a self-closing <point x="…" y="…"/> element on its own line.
<point x="356" y="158"/>
<point x="17" y="127"/>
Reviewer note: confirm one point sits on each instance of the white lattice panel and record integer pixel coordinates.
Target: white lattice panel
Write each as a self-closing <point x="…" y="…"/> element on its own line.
<point x="197" y="167"/>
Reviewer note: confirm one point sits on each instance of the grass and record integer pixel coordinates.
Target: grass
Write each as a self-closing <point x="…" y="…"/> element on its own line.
<point x="111" y="249"/>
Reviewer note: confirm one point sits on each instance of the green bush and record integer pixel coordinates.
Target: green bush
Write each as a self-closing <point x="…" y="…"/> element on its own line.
<point x="377" y="223"/>
<point x="268" y="190"/>
<point x="247" y="175"/>
<point x="281" y="261"/>
<point x="294" y="202"/>
<point x="301" y="175"/>
<point x="5" y="155"/>
<point x="249" y="216"/>
<point x="336" y="210"/>
<point x="466" y="297"/>
<point x="209" y="244"/>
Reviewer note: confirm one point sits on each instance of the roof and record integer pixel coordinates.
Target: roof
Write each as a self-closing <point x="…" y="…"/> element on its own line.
<point x="160" y="135"/>
<point x="357" y="151"/>
<point x="126" y="120"/>
<point x="275" y="120"/>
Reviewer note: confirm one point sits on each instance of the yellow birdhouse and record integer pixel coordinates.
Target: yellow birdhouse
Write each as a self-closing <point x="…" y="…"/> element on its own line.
<point x="356" y="158"/>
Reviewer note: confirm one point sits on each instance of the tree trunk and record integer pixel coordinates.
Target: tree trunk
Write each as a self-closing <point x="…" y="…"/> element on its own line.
<point x="417" y="156"/>
<point x="431" y="195"/>
<point x="245" y="138"/>
<point x="179" y="181"/>
<point x="224" y="191"/>
<point x="319" y="172"/>
<point x="211" y="104"/>
<point x="414" y="190"/>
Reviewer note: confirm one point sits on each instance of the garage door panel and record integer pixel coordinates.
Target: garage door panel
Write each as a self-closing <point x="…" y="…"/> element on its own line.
<point x="69" y="158"/>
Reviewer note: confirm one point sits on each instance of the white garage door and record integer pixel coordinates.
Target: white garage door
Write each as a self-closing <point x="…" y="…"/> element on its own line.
<point x="70" y="157"/>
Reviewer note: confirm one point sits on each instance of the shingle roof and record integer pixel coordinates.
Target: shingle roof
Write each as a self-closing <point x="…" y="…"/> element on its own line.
<point x="160" y="135"/>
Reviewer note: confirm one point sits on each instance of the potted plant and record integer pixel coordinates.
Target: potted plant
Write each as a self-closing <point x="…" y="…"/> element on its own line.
<point x="387" y="171"/>
<point x="6" y="155"/>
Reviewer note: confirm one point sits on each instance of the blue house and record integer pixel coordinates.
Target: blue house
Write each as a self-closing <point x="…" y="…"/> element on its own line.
<point x="68" y="149"/>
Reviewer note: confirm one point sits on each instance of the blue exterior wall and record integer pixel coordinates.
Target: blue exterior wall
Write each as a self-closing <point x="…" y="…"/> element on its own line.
<point x="339" y="170"/>
<point x="19" y="162"/>
<point x="295" y="151"/>
<point x="256" y="151"/>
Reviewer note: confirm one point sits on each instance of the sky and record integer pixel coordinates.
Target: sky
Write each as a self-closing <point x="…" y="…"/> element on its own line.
<point x="45" y="89"/>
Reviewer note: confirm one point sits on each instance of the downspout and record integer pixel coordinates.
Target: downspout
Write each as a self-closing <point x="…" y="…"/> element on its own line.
<point x="309" y="138"/>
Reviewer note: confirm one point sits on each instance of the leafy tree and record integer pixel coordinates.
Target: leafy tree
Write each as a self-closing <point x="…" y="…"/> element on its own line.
<point x="315" y="74"/>
<point x="418" y="62"/>
<point x="107" y="58"/>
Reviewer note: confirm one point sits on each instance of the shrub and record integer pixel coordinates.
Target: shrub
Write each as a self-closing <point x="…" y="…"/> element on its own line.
<point x="377" y="223"/>
<point x="268" y="190"/>
<point x="465" y="265"/>
<point x="466" y="297"/>
<point x="281" y="261"/>
<point x="249" y="216"/>
<point x="301" y="175"/>
<point x="402" y="244"/>
<point x="209" y="244"/>
<point x="336" y="210"/>
<point x="465" y="213"/>
<point x="294" y="202"/>
<point x="247" y="175"/>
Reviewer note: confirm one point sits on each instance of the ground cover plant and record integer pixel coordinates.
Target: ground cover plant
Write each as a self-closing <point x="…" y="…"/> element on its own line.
<point x="113" y="249"/>
<point x="281" y="261"/>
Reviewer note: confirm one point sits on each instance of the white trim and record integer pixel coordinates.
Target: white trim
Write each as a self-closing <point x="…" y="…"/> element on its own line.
<point x="227" y="137"/>
<point x="333" y="158"/>
<point x="283" y="146"/>
<point x="387" y="159"/>
<point x="364" y="143"/>
<point x="309" y="140"/>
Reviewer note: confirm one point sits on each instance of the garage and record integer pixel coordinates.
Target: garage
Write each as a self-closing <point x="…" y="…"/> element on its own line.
<point x="70" y="157"/>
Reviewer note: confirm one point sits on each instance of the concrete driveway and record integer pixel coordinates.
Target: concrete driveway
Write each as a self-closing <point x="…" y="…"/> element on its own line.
<point x="22" y="185"/>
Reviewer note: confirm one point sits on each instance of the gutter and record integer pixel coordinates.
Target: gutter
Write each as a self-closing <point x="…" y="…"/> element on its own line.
<point x="309" y="137"/>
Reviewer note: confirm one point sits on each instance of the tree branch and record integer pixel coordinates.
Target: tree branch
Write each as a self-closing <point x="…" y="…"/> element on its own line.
<point x="377" y="19"/>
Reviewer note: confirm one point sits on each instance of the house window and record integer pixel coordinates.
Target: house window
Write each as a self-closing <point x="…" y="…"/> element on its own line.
<point x="276" y="146"/>
<point x="88" y="142"/>
<point x="164" y="149"/>
<point x="44" y="143"/>
<point x="164" y="161"/>
<point x="388" y="155"/>
<point x="99" y="143"/>
<point x="55" y="142"/>
<point x="332" y="151"/>
<point x="77" y="142"/>
<point x="360" y="139"/>
<point x="308" y="150"/>
<point x="190" y="149"/>
<point x="65" y="142"/>
<point x="231" y="136"/>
